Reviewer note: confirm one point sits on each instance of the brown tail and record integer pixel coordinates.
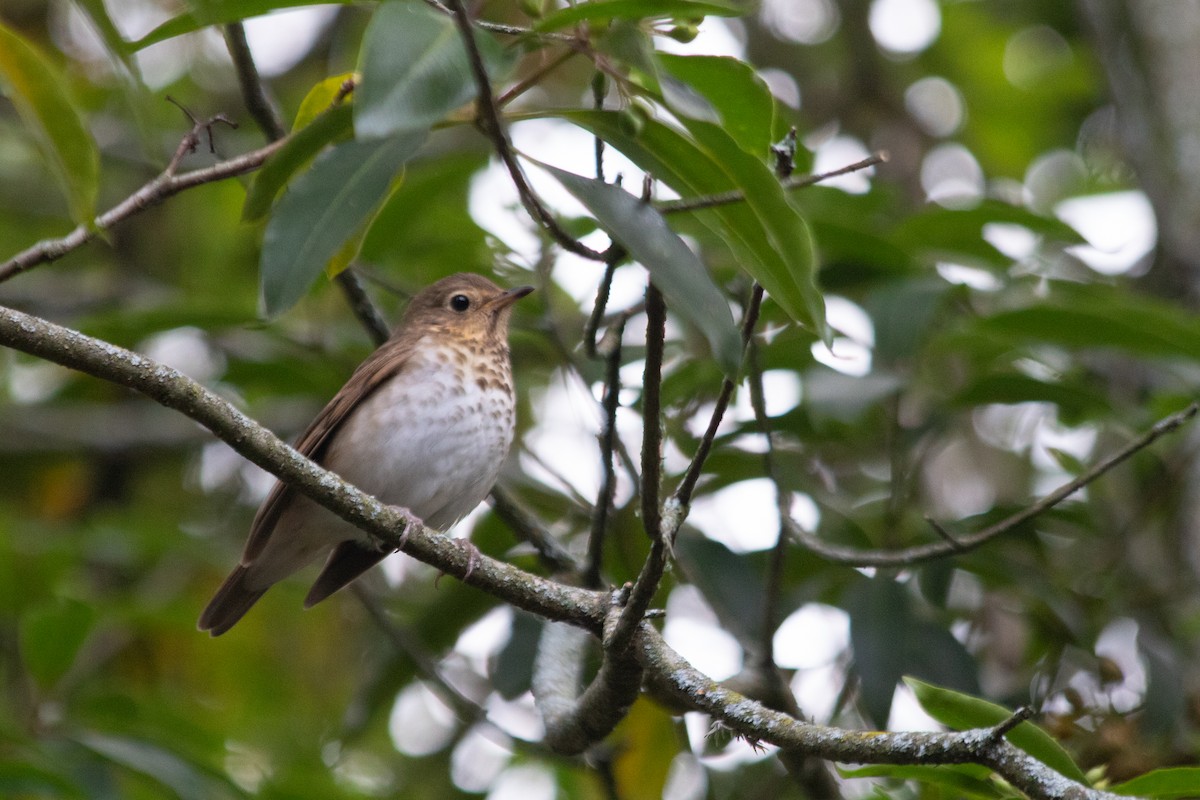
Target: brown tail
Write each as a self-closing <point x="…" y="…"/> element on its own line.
<point x="347" y="561"/>
<point x="229" y="604"/>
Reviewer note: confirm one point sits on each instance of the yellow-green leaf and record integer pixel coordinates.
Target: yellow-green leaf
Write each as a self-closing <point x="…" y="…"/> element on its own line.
<point x="33" y="85"/>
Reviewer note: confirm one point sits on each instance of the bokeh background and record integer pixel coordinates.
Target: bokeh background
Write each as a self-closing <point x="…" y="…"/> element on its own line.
<point x="1012" y="296"/>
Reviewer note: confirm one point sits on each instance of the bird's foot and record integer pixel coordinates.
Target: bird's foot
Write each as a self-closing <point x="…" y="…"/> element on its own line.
<point x="411" y="523"/>
<point x="472" y="553"/>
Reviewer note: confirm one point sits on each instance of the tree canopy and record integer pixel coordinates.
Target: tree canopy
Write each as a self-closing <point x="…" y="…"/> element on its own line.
<point x="854" y="396"/>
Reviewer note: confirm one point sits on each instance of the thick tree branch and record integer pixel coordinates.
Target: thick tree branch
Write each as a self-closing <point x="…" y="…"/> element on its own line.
<point x="951" y="545"/>
<point x="575" y="721"/>
<point x="671" y="674"/>
<point x="586" y="609"/>
<point x="72" y="349"/>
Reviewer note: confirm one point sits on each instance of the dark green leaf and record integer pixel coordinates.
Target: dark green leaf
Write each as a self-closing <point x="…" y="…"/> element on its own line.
<point x="934" y="655"/>
<point x="959" y="232"/>
<point x="301" y="147"/>
<point x="728" y="581"/>
<point x="33" y="85"/>
<point x="1101" y="316"/>
<point x="676" y="270"/>
<point x="323" y="209"/>
<point x="216" y="12"/>
<point x="414" y="70"/>
<point x="188" y="781"/>
<point x="1018" y="388"/>
<point x="51" y="636"/>
<point x="961" y="779"/>
<point x="880" y="619"/>
<point x="1170" y="782"/>
<point x="635" y="10"/>
<point x="964" y="712"/>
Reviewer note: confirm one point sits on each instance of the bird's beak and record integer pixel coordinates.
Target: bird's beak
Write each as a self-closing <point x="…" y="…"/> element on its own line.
<point x="506" y="299"/>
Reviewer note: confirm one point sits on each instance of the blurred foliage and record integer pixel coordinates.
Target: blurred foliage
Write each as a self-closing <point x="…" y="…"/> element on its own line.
<point x="993" y="364"/>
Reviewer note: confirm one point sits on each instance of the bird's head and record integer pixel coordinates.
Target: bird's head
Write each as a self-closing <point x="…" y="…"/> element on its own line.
<point x="465" y="305"/>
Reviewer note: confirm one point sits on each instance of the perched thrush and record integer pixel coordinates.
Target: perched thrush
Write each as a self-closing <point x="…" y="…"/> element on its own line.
<point x="424" y="423"/>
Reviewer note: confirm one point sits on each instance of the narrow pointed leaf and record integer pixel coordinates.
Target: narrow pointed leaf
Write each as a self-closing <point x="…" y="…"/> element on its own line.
<point x="963" y="712"/>
<point x="1170" y="782"/>
<point x="752" y="231"/>
<point x="217" y="12"/>
<point x="676" y="270"/>
<point x="415" y="70"/>
<point x="32" y="83"/>
<point x="323" y="209"/>
<point x="633" y="9"/>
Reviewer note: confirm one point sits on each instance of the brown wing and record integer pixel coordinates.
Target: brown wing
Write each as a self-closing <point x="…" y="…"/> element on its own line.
<point x="370" y="375"/>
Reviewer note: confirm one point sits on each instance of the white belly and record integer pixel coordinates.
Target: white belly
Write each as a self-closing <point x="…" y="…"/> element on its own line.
<point x="431" y="440"/>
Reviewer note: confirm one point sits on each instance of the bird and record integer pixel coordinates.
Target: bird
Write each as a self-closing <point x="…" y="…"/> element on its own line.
<point x="424" y="423"/>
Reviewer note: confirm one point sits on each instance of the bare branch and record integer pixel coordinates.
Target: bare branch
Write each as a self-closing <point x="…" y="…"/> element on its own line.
<point x="928" y="552"/>
<point x="611" y="346"/>
<point x="683" y="494"/>
<point x="493" y="127"/>
<point x="737" y="196"/>
<point x="165" y="185"/>
<point x="174" y="390"/>
<point x="667" y="671"/>
<point x="575" y="721"/>
<point x="254" y="93"/>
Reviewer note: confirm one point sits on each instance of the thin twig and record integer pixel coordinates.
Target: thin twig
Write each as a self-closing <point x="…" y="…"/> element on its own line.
<point x="594" y="319"/>
<point x="617" y="639"/>
<point x="774" y="586"/>
<point x="493" y="127"/>
<point x="160" y="188"/>
<point x="254" y="93"/>
<point x="683" y="494"/>
<point x="611" y="347"/>
<point x="466" y="709"/>
<point x="528" y="528"/>
<point x="532" y="79"/>
<point x="737" y="195"/>
<point x="364" y="310"/>
<point x="928" y="552"/>
<point x="1022" y="714"/>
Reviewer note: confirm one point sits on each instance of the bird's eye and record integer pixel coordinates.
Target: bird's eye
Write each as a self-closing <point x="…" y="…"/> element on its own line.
<point x="460" y="302"/>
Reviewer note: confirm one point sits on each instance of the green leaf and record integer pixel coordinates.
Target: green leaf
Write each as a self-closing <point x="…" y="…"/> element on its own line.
<point x="735" y="90"/>
<point x="322" y="97"/>
<point x="217" y="12"/>
<point x="675" y="269"/>
<point x="1017" y="388"/>
<point x="767" y="236"/>
<point x="33" y="85"/>
<point x="634" y="9"/>
<point x="729" y="582"/>
<point x="51" y="636"/>
<point x="964" y="712"/>
<point x="301" y="147"/>
<point x="958" y="232"/>
<point x="324" y="208"/>
<point x="1170" y="782"/>
<point x="1083" y="316"/>
<point x="880" y="618"/>
<point x="415" y="70"/>
<point x="960" y="779"/>
<point x="187" y="780"/>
